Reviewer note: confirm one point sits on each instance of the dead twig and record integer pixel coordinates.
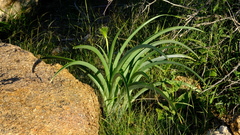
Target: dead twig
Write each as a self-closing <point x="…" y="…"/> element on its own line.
<point x="109" y="3"/>
<point x="177" y="5"/>
<point x="226" y="18"/>
<point x="148" y="6"/>
<point x="223" y="79"/>
<point x="209" y="23"/>
<point x="190" y="17"/>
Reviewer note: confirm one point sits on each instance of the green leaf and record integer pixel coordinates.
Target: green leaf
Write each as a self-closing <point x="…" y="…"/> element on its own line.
<point x="146" y="67"/>
<point x="129" y="39"/>
<point x="216" y="7"/>
<point x="161" y="114"/>
<point x="58" y="57"/>
<point x="212" y="73"/>
<point x="102" y="81"/>
<point x="100" y="56"/>
<point x="130" y="55"/>
<point x="104" y="31"/>
<point x="149" y="86"/>
<point x="151" y="38"/>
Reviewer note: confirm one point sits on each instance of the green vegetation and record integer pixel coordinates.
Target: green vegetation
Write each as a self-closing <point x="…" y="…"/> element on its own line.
<point x="125" y="51"/>
<point x="121" y="83"/>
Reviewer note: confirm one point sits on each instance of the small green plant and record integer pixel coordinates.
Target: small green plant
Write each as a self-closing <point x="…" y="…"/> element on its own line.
<point x="120" y="82"/>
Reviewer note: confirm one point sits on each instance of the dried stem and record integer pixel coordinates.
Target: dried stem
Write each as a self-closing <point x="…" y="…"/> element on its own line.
<point x="177" y="5"/>
<point x="109" y="3"/>
<point x="223" y="79"/>
<point x="148" y="6"/>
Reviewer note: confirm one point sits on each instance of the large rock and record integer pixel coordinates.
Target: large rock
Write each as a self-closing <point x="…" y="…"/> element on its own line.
<point x="13" y="8"/>
<point x="30" y="104"/>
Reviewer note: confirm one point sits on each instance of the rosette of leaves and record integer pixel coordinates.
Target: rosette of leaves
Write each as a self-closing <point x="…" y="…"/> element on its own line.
<point x="121" y="83"/>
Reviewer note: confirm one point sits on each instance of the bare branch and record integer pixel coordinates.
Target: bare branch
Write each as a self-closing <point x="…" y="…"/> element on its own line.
<point x="209" y="23"/>
<point x="148" y="6"/>
<point x="223" y="79"/>
<point x="177" y="5"/>
<point x="226" y="18"/>
<point x="109" y="3"/>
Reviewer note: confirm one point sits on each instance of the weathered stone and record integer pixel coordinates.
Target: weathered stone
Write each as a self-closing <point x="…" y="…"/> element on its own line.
<point x="235" y="125"/>
<point x="30" y="104"/>
<point x="222" y="130"/>
<point x="234" y="129"/>
<point x="13" y="8"/>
